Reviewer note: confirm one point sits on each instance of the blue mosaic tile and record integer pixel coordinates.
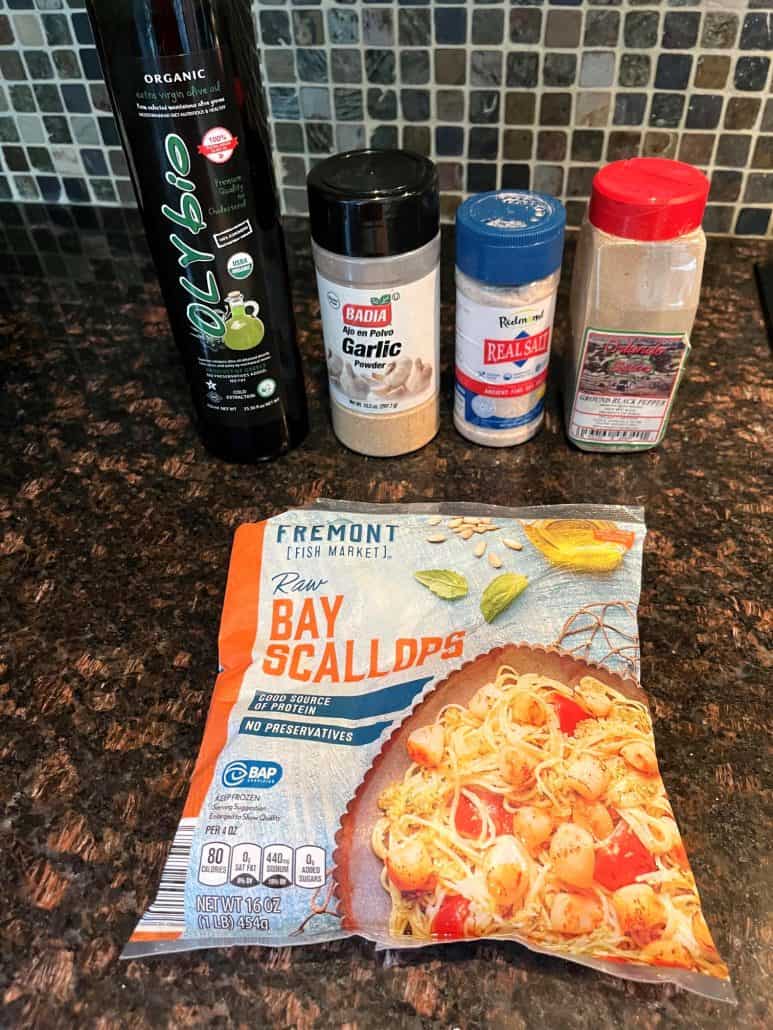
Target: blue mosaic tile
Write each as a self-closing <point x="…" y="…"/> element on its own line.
<point x="527" y="93"/>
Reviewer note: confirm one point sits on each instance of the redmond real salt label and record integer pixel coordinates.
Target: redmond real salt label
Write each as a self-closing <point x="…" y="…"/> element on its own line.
<point x="502" y="357"/>
<point x="382" y="347"/>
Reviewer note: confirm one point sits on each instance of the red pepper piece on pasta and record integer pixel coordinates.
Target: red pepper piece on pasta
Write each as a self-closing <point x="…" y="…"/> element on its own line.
<point x="468" y="821"/>
<point x="622" y="859"/>
<point x="449" y="918"/>
<point x="569" y="713"/>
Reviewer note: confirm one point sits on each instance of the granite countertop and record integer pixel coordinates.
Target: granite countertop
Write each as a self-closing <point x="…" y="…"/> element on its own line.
<point x="115" y="530"/>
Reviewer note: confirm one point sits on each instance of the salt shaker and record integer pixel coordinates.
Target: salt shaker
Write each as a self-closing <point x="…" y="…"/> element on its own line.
<point x="508" y="264"/>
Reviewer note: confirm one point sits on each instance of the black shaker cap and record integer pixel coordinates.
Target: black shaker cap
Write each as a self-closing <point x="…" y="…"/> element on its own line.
<point x="373" y="203"/>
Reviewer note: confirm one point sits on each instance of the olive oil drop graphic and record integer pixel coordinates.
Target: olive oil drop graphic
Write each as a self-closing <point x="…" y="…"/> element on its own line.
<point x="243" y="330"/>
<point x="184" y="81"/>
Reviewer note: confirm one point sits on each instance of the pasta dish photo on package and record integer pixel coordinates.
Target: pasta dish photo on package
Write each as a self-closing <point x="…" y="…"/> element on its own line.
<point x="428" y="726"/>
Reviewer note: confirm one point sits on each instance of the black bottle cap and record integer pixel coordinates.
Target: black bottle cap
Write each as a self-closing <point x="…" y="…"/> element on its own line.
<point x="373" y="203"/>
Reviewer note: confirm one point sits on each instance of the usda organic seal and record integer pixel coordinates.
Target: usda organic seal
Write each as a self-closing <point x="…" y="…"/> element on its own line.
<point x="240" y="265"/>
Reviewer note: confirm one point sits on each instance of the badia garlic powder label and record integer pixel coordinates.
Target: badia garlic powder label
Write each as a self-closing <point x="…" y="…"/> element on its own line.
<point x="382" y="346"/>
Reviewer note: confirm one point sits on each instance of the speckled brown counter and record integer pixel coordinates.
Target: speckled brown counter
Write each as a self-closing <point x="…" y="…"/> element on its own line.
<point x="115" y="533"/>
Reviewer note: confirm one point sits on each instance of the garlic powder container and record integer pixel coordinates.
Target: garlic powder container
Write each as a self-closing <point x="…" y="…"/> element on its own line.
<point x="508" y="264"/>
<point x="375" y="227"/>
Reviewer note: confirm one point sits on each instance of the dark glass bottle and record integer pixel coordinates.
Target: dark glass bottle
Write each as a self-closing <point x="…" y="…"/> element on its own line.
<point x="184" y="79"/>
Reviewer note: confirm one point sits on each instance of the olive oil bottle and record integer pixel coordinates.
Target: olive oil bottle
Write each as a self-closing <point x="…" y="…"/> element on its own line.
<point x="184" y="80"/>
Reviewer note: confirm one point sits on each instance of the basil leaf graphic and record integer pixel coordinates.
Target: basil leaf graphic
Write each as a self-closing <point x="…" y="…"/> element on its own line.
<point x="443" y="582"/>
<point x="500" y="594"/>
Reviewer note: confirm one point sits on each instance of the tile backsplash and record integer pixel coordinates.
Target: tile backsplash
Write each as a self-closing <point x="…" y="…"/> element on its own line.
<point x="525" y="94"/>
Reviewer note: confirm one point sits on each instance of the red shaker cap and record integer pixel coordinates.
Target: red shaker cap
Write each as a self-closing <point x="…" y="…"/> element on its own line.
<point x="648" y="198"/>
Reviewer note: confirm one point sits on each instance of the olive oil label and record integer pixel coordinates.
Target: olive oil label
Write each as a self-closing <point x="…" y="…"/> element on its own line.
<point x="626" y="387"/>
<point x="382" y="344"/>
<point x="193" y="176"/>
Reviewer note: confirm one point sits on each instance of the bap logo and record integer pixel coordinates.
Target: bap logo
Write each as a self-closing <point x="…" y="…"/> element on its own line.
<point x="249" y="773"/>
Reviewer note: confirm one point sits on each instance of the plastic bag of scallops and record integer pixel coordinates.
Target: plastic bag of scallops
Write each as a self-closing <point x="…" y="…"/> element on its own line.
<point x="429" y="727"/>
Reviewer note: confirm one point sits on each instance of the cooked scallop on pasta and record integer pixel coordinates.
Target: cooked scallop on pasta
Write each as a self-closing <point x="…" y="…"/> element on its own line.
<point x="537" y="810"/>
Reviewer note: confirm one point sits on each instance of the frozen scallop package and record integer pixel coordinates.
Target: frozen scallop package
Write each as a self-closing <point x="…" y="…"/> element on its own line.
<point x="428" y="726"/>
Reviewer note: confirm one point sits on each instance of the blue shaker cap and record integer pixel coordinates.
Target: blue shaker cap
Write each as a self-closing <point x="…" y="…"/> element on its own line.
<point x="510" y="237"/>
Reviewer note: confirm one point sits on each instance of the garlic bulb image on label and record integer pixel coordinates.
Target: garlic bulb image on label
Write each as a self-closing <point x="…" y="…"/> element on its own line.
<point x="400" y="379"/>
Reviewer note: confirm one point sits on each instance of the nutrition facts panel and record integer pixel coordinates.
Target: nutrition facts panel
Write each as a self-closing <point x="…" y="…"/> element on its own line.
<point x="250" y="865"/>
